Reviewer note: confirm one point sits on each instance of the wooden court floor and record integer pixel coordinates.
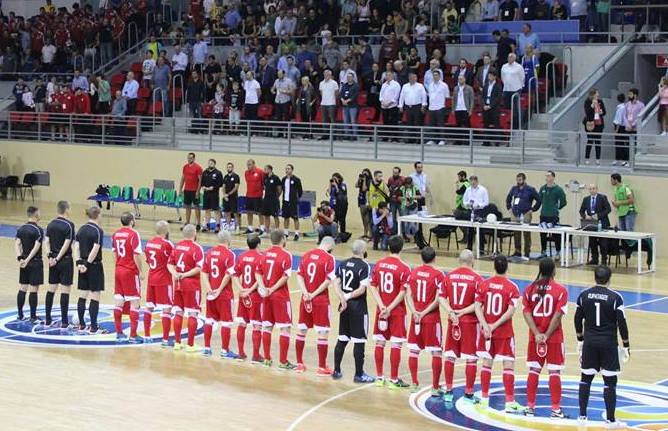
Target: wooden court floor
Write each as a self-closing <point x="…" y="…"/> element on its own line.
<point x="53" y="388"/>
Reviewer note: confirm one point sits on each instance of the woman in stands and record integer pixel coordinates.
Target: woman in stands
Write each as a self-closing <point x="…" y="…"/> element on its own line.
<point x="663" y="105"/>
<point x="594" y="110"/>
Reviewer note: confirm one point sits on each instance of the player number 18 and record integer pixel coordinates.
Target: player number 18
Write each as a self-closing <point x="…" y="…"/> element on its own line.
<point x="386" y="282"/>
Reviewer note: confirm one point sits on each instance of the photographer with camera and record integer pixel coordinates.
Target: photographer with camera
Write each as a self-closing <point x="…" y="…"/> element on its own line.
<point x="338" y="199"/>
<point x="325" y="218"/>
<point x="363" y="182"/>
<point x="383" y="223"/>
<point x="394" y="184"/>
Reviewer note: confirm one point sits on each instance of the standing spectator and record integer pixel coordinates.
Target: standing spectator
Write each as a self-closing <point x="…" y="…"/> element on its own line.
<point x="363" y="182"/>
<point x="528" y="37"/>
<point x="504" y="46"/>
<point x="558" y="11"/>
<point x="509" y="10"/>
<point x="162" y="77"/>
<point x="435" y="42"/>
<point x="79" y="81"/>
<point x="438" y="94"/>
<point x="492" y="96"/>
<point x="476" y="199"/>
<point x="389" y="100"/>
<point x="410" y="195"/>
<point x="249" y="58"/>
<point x="512" y="76"/>
<point x="621" y="138"/>
<point x="283" y="89"/>
<point x="200" y="51"/>
<point x="663" y="105"/>
<point x="118" y="111"/>
<point x="349" y="92"/>
<point x="130" y="89"/>
<point x="328" y="94"/>
<point x="542" y="10"/>
<point x="292" y="72"/>
<point x="624" y="201"/>
<point x="147" y="69"/>
<point x="490" y="11"/>
<point x="19" y="88"/>
<point x="235" y="102"/>
<point x="179" y="64"/>
<point x="218" y="102"/>
<point x="106" y="39"/>
<point x="552" y="199"/>
<point x="266" y="75"/>
<point x="212" y="181"/>
<point x="196" y="97"/>
<point x="338" y="199"/>
<point x="522" y="201"/>
<point x="413" y="98"/>
<point x="383" y="226"/>
<point x="632" y="109"/>
<point x="483" y="69"/>
<point x="40" y="95"/>
<point x="422" y="182"/>
<point x="48" y="53"/>
<point x="373" y="82"/>
<point x="463" y="100"/>
<point x="429" y="74"/>
<point x="306" y="100"/>
<point x="345" y="71"/>
<point x="103" y="95"/>
<point x="594" y="110"/>
<point x="389" y="49"/>
<point x="531" y="64"/>
<point x="252" y="91"/>
<point x="464" y="70"/>
<point x="154" y="46"/>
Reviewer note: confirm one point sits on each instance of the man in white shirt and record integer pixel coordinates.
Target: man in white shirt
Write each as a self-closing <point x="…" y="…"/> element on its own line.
<point x="179" y="64"/>
<point x="253" y="90"/>
<point x="621" y="138"/>
<point x="328" y="94"/>
<point x="476" y="199"/>
<point x="345" y="70"/>
<point x="389" y="101"/>
<point x="48" y="52"/>
<point x="423" y="184"/>
<point x="130" y="89"/>
<point x="200" y="51"/>
<point x="512" y="75"/>
<point x="462" y="101"/>
<point x="413" y="99"/>
<point x="439" y="92"/>
<point x="429" y="74"/>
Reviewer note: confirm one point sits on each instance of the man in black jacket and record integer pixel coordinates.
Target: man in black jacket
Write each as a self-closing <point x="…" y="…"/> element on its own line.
<point x="492" y="96"/>
<point x="196" y="94"/>
<point x="292" y="192"/>
<point x="594" y="210"/>
<point x="212" y="181"/>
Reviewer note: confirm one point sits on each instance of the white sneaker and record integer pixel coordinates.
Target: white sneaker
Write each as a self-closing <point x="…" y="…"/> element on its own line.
<point x="441" y="143"/>
<point x="616" y="425"/>
<point x="582" y="420"/>
<point x="664" y="133"/>
<point x="430" y="143"/>
<point x="615" y="163"/>
<point x="625" y="164"/>
<point x="598" y="163"/>
<point x="586" y="162"/>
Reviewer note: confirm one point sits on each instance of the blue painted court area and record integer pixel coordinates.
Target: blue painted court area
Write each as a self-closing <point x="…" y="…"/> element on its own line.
<point x="633" y="300"/>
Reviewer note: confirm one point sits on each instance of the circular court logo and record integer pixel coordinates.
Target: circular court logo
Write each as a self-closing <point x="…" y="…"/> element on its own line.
<point x="642" y="406"/>
<point x="23" y="332"/>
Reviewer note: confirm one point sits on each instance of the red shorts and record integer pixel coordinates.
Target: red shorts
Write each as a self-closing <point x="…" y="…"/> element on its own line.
<point x="127" y="284"/>
<point x="430" y="337"/>
<point x="276" y="311"/>
<point x="220" y="310"/>
<point x="500" y="349"/>
<point x="159" y="296"/>
<point x="555" y="358"/>
<point x="396" y="329"/>
<point x="250" y="314"/>
<point x="467" y="346"/>
<point x="318" y="318"/>
<point x="187" y="300"/>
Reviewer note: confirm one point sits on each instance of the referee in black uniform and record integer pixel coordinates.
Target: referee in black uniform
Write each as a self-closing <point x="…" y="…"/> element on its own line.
<point x="91" y="274"/>
<point x="59" y="238"/>
<point x="28" y="245"/>
<point x="231" y="183"/>
<point x="292" y="192"/>
<point x="271" y="204"/>
<point x="601" y="311"/>
<point x="352" y="280"/>
<point x="212" y="181"/>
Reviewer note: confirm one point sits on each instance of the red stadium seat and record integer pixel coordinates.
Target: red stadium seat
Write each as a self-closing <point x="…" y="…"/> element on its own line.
<point x="476" y="121"/>
<point x="15" y="117"/>
<point x="136" y="68"/>
<point x="43" y="117"/>
<point x="362" y="98"/>
<point x="264" y="111"/>
<point x="141" y="107"/>
<point x="144" y="93"/>
<point x="339" y="114"/>
<point x="29" y="117"/>
<point x="117" y="80"/>
<point x="366" y="115"/>
<point x="155" y="109"/>
<point x="207" y="110"/>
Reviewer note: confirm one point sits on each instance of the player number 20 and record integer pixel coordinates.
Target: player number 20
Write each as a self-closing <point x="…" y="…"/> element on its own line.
<point x="494" y="303"/>
<point x="544" y="305"/>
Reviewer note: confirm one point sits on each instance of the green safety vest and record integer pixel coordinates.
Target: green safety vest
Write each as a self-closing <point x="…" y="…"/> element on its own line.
<point x="622" y="192"/>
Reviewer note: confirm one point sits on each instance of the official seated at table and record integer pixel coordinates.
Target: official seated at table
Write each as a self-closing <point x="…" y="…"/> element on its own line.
<point x="476" y="198"/>
<point x="594" y="210"/>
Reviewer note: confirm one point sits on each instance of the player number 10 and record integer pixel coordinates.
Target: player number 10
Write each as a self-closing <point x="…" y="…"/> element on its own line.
<point x="494" y="303"/>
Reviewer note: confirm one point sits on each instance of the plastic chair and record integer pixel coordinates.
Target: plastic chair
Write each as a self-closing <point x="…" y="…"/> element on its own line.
<point x="29" y="180"/>
<point x="170" y="197"/>
<point x="114" y="193"/>
<point x="158" y="196"/>
<point x="304" y="209"/>
<point x="143" y="195"/>
<point x="127" y="194"/>
<point x="241" y="204"/>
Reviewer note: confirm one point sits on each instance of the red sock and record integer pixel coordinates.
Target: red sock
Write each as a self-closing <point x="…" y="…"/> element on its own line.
<point x="436" y="370"/>
<point x="299" y="348"/>
<point x="147" y="322"/>
<point x="532" y="387"/>
<point x="485" y="377"/>
<point x="241" y="339"/>
<point x="166" y="323"/>
<point x="178" y="324"/>
<point x="284" y="345"/>
<point x="555" y="389"/>
<point x="225" y="335"/>
<point x="118" y="319"/>
<point x="379" y="355"/>
<point x="412" y="364"/>
<point x="134" y="321"/>
<point x="208" y="331"/>
<point x="509" y="384"/>
<point x="322" y="352"/>
<point x="471" y="371"/>
<point x="266" y="343"/>
<point x="395" y="358"/>
<point x="192" y="329"/>
<point x="449" y="371"/>
<point x="256" y="339"/>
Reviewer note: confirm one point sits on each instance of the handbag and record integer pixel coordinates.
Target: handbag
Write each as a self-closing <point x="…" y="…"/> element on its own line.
<point x="590" y="125"/>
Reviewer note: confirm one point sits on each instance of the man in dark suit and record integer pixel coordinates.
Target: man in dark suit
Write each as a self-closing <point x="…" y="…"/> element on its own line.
<point x="595" y="208"/>
<point x="464" y="69"/>
<point x="492" y="97"/>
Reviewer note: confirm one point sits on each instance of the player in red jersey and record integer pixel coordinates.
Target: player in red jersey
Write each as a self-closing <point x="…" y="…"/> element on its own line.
<point x="126" y="245"/>
<point x="461" y="340"/>
<point x="425" y="286"/>
<point x="160" y="290"/>
<point x="217" y="280"/>
<point x="185" y="264"/>
<point x="495" y="303"/>
<point x="250" y="301"/>
<point x="272" y="276"/>
<point x="388" y="282"/>
<point x="314" y="276"/>
<point x="545" y="302"/>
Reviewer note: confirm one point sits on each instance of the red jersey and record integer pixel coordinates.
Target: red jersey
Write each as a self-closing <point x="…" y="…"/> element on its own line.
<point x="254" y="183"/>
<point x="315" y="267"/>
<point x="157" y="252"/>
<point x="496" y="295"/>
<point x="461" y="285"/>
<point x="246" y="267"/>
<point x="187" y="255"/>
<point x="544" y="307"/>
<point x="426" y="283"/>
<point x="276" y="263"/>
<point x="82" y="103"/>
<point x="125" y="243"/>
<point x="390" y="276"/>
<point x="219" y="260"/>
<point x="192" y="172"/>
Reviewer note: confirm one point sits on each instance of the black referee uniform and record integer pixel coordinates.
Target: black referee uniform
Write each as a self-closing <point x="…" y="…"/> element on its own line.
<point x="231" y="204"/>
<point x="270" y="203"/>
<point x="93" y="279"/>
<point x="353" y="273"/>
<point x="33" y="274"/>
<point x="58" y="231"/>
<point x="292" y="192"/>
<point x="601" y="311"/>
<point x="212" y="178"/>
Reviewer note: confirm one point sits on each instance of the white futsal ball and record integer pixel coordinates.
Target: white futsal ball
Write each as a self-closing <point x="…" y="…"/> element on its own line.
<point x="491" y="218"/>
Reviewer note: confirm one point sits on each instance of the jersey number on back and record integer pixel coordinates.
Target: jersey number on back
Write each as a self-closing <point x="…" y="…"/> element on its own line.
<point x="544" y="305"/>
<point x="386" y="282"/>
<point x="180" y="264"/>
<point x="346" y="280"/>
<point x="152" y="262"/>
<point x="311" y="269"/>
<point x="494" y="303"/>
<point x="248" y="274"/>
<point x="421" y="290"/>
<point x="215" y="272"/>
<point x="120" y="247"/>
<point x="459" y="299"/>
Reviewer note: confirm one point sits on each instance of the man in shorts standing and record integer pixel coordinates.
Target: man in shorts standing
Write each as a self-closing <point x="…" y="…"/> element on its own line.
<point x="250" y="301"/>
<point x="59" y="239"/>
<point x="212" y="181"/>
<point x="160" y="290"/>
<point x="28" y="246"/>
<point x="191" y="181"/>
<point x="91" y="273"/>
<point x="292" y="192"/>
<point x="271" y="201"/>
<point x="231" y="183"/>
<point x="254" y="177"/>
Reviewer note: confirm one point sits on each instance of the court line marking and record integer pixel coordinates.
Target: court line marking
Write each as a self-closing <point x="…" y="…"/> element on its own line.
<point x="646" y="302"/>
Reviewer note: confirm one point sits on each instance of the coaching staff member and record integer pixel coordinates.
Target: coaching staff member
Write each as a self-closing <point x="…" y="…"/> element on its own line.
<point x="601" y="311"/>
<point x="191" y="181"/>
<point x="28" y="245"/>
<point x="292" y="192"/>
<point x="59" y="239"/>
<point x="212" y="181"/>
<point x="91" y="274"/>
<point x="254" y="177"/>
<point x="271" y="205"/>
<point x="596" y="207"/>
<point x="231" y="183"/>
<point x="352" y="281"/>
